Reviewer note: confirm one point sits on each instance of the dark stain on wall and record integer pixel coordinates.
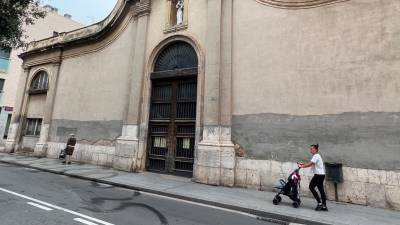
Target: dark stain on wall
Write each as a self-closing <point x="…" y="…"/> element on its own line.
<point x="87" y="132"/>
<point x="356" y="139"/>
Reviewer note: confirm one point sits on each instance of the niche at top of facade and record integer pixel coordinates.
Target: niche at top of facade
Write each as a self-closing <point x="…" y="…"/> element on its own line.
<point x="177" y="15"/>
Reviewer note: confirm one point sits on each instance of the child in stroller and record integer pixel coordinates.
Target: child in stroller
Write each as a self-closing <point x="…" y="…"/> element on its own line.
<point x="291" y="188"/>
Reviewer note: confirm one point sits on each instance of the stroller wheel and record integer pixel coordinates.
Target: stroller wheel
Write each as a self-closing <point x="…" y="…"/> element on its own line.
<point x="278" y="198"/>
<point x="275" y="201"/>
<point x="296" y="204"/>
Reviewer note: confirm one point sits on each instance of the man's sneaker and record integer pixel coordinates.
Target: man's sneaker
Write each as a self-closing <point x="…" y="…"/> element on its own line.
<point x="324" y="208"/>
<point x="69" y="163"/>
<point x="318" y="208"/>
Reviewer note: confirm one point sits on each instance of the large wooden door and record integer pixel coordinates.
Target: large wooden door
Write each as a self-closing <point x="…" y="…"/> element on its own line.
<point x="172" y="126"/>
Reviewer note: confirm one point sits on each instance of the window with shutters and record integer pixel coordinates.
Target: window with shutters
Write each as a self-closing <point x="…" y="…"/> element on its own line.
<point x="33" y="127"/>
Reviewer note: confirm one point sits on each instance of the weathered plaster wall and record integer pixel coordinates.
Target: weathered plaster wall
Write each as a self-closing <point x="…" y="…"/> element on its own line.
<point x="298" y="72"/>
<point x="326" y="60"/>
<point x="93" y="88"/>
<point x="36" y="106"/>
<point x="87" y="132"/>
<point x="362" y="140"/>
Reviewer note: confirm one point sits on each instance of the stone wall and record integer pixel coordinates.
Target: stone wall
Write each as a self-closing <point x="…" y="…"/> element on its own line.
<point x="377" y="188"/>
<point x="93" y="154"/>
<point x="28" y="143"/>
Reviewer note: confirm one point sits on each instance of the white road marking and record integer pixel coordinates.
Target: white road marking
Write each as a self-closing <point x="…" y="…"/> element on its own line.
<point x="105" y="185"/>
<point x="56" y="207"/>
<point x="39" y="206"/>
<point x="200" y="204"/>
<point x="208" y="206"/>
<point x="85" y="221"/>
<point x="30" y="169"/>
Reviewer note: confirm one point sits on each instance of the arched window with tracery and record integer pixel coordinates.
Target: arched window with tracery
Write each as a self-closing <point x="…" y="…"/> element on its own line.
<point x="40" y="83"/>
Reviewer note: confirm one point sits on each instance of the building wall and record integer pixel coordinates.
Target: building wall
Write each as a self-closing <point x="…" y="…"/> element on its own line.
<point x="36" y="106"/>
<point x="327" y="75"/>
<point x="300" y="83"/>
<point x="92" y="89"/>
<point x="43" y="28"/>
<point x="98" y="82"/>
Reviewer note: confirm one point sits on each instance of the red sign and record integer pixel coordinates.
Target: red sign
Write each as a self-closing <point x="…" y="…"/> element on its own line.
<point x="8" y="108"/>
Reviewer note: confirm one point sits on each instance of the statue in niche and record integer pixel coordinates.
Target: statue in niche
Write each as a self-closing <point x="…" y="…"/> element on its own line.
<point x="179" y="12"/>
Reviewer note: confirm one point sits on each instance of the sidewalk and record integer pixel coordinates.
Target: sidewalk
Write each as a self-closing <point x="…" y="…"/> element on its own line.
<point x="245" y="200"/>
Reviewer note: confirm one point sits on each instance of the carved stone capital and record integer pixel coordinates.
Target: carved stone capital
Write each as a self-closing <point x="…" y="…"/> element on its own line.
<point x="25" y="68"/>
<point x="142" y="8"/>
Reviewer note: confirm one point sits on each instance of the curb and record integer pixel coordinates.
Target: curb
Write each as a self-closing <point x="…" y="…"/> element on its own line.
<point x="261" y="215"/>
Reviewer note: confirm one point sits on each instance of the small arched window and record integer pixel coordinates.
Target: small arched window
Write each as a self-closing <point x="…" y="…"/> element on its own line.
<point x="40" y="83"/>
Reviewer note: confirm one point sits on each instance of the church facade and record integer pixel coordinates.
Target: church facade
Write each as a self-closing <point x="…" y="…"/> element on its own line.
<point x="228" y="92"/>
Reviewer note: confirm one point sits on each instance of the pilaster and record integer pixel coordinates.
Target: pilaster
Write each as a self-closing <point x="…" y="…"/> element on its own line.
<point x="16" y="120"/>
<point x="41" y="146"/>
<point x="126" y="153"/>
<point x="215" y="159"/>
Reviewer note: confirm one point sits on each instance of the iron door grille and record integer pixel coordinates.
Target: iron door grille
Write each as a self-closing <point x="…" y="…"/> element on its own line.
<point x="160" y="117"/>
<point x="185" y="126"/>
<point x="172" y="126"/>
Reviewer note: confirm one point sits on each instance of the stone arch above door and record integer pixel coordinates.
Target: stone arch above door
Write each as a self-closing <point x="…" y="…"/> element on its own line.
<point x="176" y="55"/>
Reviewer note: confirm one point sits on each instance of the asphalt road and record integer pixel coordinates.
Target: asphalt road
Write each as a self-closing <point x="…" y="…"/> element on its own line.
<point x="32" y="197"/>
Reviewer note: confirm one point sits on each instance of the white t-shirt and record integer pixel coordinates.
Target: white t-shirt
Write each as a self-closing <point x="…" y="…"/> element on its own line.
<point x="318" y="167"/>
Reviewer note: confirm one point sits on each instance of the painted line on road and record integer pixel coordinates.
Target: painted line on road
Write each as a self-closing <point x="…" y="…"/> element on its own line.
<point x="85" y="221"/>
<point x="56" y="207"/>
<point x="39" y="206"/>
<point x="271" y="220"/>
<point x="200" y="204"/>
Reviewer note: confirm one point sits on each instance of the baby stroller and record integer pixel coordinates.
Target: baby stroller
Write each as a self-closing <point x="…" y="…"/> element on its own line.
<point x="291" y="188"/>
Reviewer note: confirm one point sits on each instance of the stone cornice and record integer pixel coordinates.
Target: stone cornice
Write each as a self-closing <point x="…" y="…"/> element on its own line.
<point x="298" y="4"/>
<point x="85" y="33"/>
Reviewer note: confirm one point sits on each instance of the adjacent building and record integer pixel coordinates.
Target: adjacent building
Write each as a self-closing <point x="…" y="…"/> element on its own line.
<point x="10" y="63"/>
<point x="229" y="92"/>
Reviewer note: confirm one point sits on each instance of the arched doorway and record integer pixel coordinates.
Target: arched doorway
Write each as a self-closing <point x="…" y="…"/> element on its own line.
<point x="172" y="122"/>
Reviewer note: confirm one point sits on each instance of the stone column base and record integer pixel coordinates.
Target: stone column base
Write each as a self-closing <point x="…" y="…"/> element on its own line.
<point x="215" y="164"/>
<point x="125" y="154"/>
<point x="10" y="146"/>
<point x="40" y="150"/>
<point x="11" y="142"/>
